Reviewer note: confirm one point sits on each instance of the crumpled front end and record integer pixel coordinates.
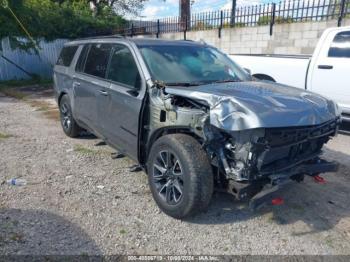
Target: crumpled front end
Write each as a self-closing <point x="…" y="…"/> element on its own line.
<point x="258" y="153"/>
<point x="254" y="130"/>
<point x="251" y="105"/>
<point x="256" y="141"/>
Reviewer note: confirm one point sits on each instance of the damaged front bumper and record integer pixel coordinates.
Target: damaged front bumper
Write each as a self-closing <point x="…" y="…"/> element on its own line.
<point x="253" y="155"/>
<point x="278" y="181"/>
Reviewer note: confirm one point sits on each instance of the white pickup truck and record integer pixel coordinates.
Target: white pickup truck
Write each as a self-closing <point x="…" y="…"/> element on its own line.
<point x="326" y="72"/>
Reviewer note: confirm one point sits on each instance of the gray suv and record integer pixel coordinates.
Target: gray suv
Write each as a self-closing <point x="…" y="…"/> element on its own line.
<point x="193" y="119"/>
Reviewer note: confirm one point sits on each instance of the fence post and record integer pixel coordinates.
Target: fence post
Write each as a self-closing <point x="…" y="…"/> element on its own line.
<point x="221" y="22"/>
<point x="132" y="30"/>
<point x="158" y="28"/>
<point x="341" y="12"/>
<point x="185" y="28"/>
<point x="233" y="13"/>
<point x="272" y="23"/>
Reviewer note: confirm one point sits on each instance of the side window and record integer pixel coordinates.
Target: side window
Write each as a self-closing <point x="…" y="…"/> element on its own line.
<point x="340" y="46"/>
<point x="97" y="60"/>
<point x="66" y="55"/>
<point x="82" y="58"/>
<point x="122" y="67"/>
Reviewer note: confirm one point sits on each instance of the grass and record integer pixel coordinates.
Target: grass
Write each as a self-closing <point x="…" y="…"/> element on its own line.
<point x="12" y="88"/>
<point x="50" y="111"/>
<point x="12" y="93"/>
<point x="52" y="114"/>
<point x="329" y="242"/>
<point x="17" y="237"/>
<point x="84" y="150"/>
<point x="40" y="105"/>
<point x="88" y="151"/>
<point x="26" y="82"/>
<point x="5" y="136"/>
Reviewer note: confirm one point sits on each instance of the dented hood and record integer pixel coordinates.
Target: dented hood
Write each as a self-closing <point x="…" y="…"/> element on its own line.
<point x="246" y="105"/>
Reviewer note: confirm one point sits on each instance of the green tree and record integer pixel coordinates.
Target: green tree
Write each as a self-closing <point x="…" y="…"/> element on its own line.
<point x="50" y="20"/>
<point x="120" y="7"/>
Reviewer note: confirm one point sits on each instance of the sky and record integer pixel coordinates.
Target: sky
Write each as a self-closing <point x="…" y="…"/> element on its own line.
<point x="158" y="8"/>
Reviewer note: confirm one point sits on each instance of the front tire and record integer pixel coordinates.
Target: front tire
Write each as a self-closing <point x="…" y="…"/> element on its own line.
<point x="69" y="125"/>
<point x="180" y="175"/>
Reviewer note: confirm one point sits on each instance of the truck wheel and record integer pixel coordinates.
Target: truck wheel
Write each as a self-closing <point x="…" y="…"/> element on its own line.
<point x="264" y="77"/>
<point x="69" y="125"/>
<point x="180" y="175"/>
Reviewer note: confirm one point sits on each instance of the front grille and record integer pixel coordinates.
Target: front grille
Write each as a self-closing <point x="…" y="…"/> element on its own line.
<point x="287" y="146"/>
<point x="276" y="137"/>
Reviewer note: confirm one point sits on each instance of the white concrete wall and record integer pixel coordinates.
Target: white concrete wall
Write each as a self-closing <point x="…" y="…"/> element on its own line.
<point x="294" y="38"/>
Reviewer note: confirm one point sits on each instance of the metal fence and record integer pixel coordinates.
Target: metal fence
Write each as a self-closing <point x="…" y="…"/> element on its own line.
<point x="19" y="64"/>
<point x="289" y="11"/>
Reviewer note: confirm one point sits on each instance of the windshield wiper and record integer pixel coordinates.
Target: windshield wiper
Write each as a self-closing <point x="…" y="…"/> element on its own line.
<point x="227" y="81"/>
<point x="184" y="84"/>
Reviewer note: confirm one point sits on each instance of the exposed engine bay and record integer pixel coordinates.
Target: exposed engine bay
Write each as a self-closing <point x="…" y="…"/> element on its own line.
<point x="245" y="161"/>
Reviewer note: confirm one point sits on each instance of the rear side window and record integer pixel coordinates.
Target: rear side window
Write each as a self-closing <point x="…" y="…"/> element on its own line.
<point x="82" y="58"/>
<point x="97" y="60"/>
<point x="66" y="55"/>
<point x="122" y="68"/>
<point x="340" y="46"/>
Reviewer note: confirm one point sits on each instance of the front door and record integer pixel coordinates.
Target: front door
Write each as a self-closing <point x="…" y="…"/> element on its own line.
<point x="119" y="108"/>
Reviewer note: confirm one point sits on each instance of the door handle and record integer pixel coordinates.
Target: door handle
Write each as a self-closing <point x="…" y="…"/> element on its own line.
<point x="76" y="83"/>
<point x="103" y="92"/>
<point x="325" y="67"/>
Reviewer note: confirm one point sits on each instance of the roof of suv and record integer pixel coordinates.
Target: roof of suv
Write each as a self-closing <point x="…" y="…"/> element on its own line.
<point x="137" y="41"/>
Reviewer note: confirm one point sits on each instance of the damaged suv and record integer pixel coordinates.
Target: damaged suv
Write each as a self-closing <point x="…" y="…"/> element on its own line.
<point x="193" y="119"/>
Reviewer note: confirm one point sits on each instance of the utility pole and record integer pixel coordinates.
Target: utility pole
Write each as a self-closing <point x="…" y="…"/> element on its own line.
<point x="233" y="13"/>
<point x="185" y="13"/>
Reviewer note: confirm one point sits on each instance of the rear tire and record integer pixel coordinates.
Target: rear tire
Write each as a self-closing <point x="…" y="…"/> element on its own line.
<point x="180" y="175"/>
<point x="68" y="123"/>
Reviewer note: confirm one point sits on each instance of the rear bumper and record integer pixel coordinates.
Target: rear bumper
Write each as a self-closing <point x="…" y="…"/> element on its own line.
<point x="279" y="181"/>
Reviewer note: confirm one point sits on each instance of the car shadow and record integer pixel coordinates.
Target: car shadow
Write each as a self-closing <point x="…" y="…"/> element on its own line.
<point x="85" y="135"/>
<point x="37" y="232"/>
<point x="320" y="206"/>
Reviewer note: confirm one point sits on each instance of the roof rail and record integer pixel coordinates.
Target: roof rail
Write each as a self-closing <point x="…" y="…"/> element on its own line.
<point x="99" y="37"/>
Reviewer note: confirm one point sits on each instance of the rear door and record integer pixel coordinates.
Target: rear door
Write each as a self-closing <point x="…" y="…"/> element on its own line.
<point x="119" y="108"/>
<point x="90" y="83"/>
<point x="62" y="79"/>
<point x="330" y="72"/>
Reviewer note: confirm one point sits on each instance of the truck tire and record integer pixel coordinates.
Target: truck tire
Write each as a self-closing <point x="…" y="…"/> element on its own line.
<point x="69" y="125"/>
<point x="180" y="175"/>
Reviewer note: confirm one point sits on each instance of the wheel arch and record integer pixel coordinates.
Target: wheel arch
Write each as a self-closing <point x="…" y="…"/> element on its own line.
<point x="60" y="96"/>
<point x="158" y="133"/>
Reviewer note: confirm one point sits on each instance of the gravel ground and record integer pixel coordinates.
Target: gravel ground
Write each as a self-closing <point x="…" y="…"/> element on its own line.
<point x="80" y="201"/>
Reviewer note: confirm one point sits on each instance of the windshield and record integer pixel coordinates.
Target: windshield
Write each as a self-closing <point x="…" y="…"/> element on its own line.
<point x="190" y="64"/>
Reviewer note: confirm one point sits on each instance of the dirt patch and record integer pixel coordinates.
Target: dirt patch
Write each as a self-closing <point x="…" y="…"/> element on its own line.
<point x="48" y="109"/>
<point x="37" y="96"/>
